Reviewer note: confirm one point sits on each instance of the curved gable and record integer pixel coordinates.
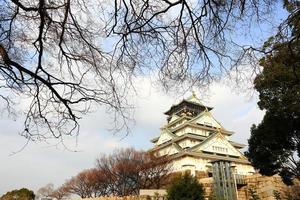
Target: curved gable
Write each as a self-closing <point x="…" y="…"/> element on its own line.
<point x="218" y="144"/>
<point x="164" y="137"/>
<point x="207" y="119"/>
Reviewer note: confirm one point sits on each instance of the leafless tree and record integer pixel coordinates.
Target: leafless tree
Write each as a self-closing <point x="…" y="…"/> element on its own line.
<point x="60" y="193"/>
<point x="45" y="191"/>
<point x="81" y="184"/>
<point x="154" y="171"/>
<point x="48" y="191"/>
<point x="87" y="184"/>
<point x="128" y="170"/>
<point x="121" y="171"/>
<point x="51" y="52"/>
<point x="66" y="55"/>
<point x="99" y="183"/>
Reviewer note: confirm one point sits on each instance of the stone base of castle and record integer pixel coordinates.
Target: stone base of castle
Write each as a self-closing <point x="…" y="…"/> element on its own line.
<point x="264" y="186"/>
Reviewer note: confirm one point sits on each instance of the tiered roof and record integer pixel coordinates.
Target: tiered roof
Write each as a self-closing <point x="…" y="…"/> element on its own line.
<point x="192" y="104"/>
<point x="191" y="114"/>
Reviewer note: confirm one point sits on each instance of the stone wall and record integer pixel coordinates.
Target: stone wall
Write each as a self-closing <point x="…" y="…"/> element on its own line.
<point x="160" y="194"/>
<point x="264" y="187"/>
<point x="208" y="185"/>
<point x="150" y="196"/>
<point x="113" y="198"/>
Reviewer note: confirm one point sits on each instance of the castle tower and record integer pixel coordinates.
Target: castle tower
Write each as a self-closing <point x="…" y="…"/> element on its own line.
<point x="193" y="139"/>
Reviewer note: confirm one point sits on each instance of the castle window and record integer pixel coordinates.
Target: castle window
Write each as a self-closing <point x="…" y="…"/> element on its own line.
<point x="220" y="149"/>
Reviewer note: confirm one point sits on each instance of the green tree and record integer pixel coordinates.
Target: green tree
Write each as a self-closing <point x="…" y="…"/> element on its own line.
<point x="274" y="145"/>
<point x="21" y="194"/>
<point x="185" y="187"/>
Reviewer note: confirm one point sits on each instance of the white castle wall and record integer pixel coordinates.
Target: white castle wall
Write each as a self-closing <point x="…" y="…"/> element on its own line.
<point x="200" y="164"/>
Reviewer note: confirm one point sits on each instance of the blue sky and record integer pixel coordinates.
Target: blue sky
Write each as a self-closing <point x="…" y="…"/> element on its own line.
<point x="39" y="164"/>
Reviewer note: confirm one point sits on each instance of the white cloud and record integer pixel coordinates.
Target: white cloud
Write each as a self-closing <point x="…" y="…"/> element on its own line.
<point x="38" y="165"/>
<point x="235" y="111"/>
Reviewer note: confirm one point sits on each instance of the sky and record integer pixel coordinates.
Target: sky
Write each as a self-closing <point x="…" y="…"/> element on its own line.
<point x="39" y="164"/>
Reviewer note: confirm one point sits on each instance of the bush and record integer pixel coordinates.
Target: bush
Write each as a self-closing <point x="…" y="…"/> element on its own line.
<point x="185" y="187"/>
<point x="22" y="194"/>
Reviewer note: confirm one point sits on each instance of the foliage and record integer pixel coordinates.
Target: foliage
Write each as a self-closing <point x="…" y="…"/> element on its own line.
<point x="185" y="187"/>
<point x="65" y="56"/>
<point x="274" y="145"/>
<point x="21" y="194"/>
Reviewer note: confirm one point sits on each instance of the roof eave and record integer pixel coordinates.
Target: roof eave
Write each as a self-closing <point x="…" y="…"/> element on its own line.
<point x="208" y="107"/>
<point x="154" y="139"/>
<point x="213" y="157"/>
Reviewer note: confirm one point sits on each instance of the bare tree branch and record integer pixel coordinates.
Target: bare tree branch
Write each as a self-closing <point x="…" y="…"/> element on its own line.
<point x="68" y="55"/>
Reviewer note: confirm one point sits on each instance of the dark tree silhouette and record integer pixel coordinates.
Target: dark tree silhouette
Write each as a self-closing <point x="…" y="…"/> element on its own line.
<point x="274" y="145"/>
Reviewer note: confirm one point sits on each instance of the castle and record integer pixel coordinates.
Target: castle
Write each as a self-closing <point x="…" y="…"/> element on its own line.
<point x="192" y="138"/>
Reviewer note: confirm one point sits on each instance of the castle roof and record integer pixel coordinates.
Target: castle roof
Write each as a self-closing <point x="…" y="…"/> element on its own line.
<point x="192" y="102"/>
<point x="192" y="133"/>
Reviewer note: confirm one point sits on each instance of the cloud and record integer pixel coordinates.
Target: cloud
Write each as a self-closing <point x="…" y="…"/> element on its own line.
<point x="235" y="111"/>
<point x="38" y="164"/>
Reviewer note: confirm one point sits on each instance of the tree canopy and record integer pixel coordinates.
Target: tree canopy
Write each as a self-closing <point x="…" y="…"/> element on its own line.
<point x="121" y="173"/>
<point x="274" y="145"/>
<point x="21" y="194"/>
<point x="48" y="191"/>
<point x="185" y="187"/>
<point x="126" y="171"/>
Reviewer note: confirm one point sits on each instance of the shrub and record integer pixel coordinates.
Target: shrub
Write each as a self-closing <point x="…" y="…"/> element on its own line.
<point x="185" y="187"/>
<point x="22" y="194"/>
